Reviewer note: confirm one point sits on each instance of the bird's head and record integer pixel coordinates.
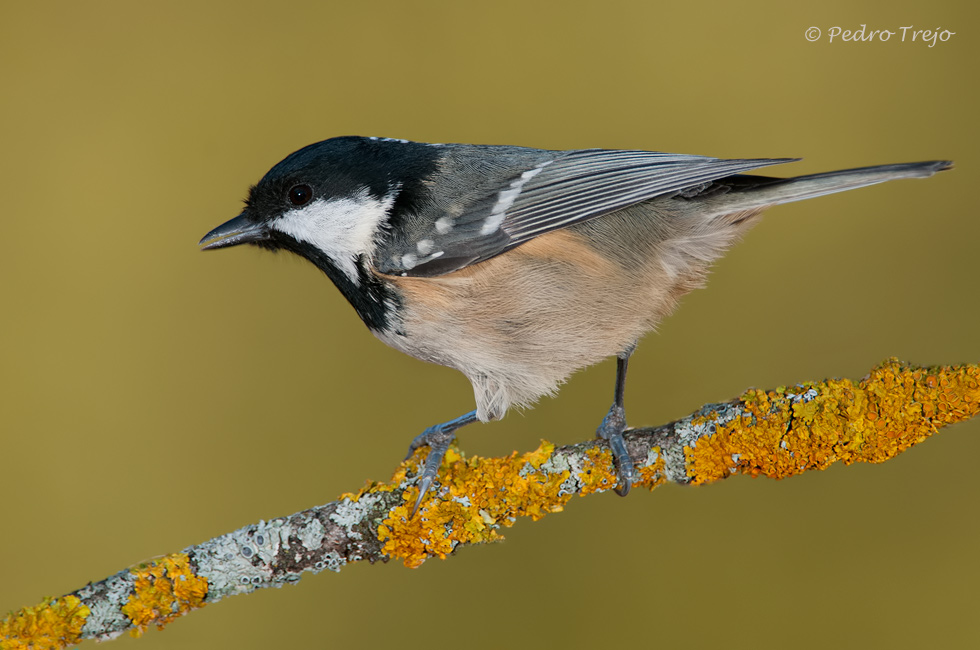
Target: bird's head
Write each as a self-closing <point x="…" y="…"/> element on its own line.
<point x="330" y="202"/>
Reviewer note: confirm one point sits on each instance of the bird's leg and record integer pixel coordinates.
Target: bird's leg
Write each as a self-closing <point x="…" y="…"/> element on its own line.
<point x="614" y="424"/>
<point x="437" y="438"/>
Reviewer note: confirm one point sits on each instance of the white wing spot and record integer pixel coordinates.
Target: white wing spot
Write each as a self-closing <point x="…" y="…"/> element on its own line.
<point x="506" y="199"/>
<point x="425" y="246"/>
<point x="409" y="261"/>
<point x="444" y="225"/>
<point x="426" y="257"/>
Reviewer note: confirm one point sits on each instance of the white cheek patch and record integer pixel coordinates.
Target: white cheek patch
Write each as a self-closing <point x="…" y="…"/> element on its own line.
<point x="341" y="228"/>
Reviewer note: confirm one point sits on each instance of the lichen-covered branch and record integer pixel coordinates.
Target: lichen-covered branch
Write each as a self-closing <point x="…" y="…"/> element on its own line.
<point x="775" y="433"/>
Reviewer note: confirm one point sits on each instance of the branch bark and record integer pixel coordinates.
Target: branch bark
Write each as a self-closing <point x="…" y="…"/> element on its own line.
<point x="777" y="433"/>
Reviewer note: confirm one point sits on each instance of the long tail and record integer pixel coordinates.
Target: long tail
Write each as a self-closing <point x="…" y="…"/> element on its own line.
<point x="750" y="192"/>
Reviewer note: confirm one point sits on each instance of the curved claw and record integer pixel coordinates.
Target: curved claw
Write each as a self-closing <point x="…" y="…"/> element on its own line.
<point x="424" y="484"/>
<point x="437" y="438"/>
<point x="438" y="441"/>
<point x="611" y="430"/>
<point x="624" y="463"/>
<point x="420" y="440"/>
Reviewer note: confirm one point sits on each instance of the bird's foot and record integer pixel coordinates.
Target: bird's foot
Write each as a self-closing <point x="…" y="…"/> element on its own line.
<point x="437" y="438"/>
<point x="438" y="442"/>
<point x="611" y="430"/>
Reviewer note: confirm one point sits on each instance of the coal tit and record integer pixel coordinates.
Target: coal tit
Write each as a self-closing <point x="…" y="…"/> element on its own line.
<point x="515" y="266"/>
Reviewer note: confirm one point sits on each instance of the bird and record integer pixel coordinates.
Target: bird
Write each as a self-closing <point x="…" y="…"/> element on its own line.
<point x="514" y="265"/>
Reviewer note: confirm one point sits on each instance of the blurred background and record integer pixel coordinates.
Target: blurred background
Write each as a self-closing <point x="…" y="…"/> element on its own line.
<point x="152" y="397"/>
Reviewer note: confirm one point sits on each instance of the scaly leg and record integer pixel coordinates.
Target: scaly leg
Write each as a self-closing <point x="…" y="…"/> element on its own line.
<point x="614" y="424"/>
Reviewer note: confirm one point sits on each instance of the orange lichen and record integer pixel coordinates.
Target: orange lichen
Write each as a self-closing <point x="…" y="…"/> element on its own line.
<point x="478" y="494"/>
<point x="780" y="435"/>
<point x="654" y="474"/>
<point x="777" y="433"/>
<point x="164" y="590"/>
<point x="50" y="625"/>
<point x="598" y="472"/>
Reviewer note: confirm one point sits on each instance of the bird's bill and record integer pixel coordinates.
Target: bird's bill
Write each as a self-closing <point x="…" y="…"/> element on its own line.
<point x="234" y="232"/>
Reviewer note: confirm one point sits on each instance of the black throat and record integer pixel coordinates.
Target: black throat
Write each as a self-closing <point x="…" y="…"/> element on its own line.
<point x="372" y="298"/>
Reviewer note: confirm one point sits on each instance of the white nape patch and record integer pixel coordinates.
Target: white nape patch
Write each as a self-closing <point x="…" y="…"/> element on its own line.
<point x="377" y="139"/>
<point x="425" y="246"/>
<point x="506" y="199"/>
<point x="444" y="225"/>
<point x="341" y="228"/>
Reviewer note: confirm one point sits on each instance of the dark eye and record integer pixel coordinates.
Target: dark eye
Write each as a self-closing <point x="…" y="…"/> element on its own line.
<point x="300" y="194"/>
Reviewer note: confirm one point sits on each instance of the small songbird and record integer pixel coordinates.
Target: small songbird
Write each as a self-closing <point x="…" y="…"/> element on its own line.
<point x="516" y="266"/>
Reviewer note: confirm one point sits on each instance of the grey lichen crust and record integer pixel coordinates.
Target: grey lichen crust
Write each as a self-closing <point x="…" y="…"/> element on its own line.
<point x="106" y="598"/>
<point x="277" y="552"/>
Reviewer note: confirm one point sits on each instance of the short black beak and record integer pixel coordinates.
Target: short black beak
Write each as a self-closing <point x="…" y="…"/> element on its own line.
<point x="234" y="232"/>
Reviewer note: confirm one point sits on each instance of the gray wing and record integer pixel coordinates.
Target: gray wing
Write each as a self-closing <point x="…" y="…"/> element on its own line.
<point x="537" y="193"/>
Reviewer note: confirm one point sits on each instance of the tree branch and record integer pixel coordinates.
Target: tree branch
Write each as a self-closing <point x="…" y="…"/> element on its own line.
<point x="776" y="433"/>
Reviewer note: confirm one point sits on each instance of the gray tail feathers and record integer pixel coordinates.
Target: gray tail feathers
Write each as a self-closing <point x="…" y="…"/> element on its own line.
<point x="750" y="192"/>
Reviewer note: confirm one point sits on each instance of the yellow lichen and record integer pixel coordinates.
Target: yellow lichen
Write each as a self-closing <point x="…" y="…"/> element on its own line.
<point x="871" y="421"/>
<point x="164" y="590"/>
<point x="55" y="623"/>
<point x="779" y="433"/>
<point x="654" y="474"/>
<point x="482" y="492"/>
<point x="598" y="472"/>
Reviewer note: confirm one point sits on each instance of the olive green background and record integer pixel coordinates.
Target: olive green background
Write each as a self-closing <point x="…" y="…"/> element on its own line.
<point x="152" y="396"/>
